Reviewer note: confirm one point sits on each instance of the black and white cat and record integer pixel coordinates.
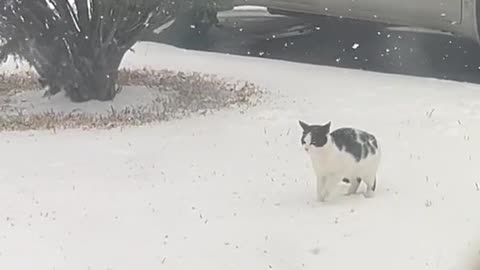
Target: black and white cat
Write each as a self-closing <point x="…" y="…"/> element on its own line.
<point x="346" y="154"/>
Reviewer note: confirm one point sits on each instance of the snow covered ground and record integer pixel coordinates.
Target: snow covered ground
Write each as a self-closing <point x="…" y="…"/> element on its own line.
<point x="235" y="190"/>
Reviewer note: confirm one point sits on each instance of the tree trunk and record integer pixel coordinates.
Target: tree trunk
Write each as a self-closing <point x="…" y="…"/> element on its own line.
<point x="77" y="45"/>
<point x="97" y="81"/>
<point x="83" y="77"/>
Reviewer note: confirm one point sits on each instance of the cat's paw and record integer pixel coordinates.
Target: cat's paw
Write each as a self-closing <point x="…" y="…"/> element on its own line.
<point x="322" y="198"/>
<point x="369" y="194"/>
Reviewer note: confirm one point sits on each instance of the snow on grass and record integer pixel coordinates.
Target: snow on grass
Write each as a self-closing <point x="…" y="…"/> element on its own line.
<point x="11" y="65"/>
<point x="146" y="96"/>
<point x="235" y="190"/>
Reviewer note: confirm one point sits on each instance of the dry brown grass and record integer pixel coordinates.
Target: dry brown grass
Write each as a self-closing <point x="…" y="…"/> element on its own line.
<point x="12" y="83"/>
<point x="180" y="95"/>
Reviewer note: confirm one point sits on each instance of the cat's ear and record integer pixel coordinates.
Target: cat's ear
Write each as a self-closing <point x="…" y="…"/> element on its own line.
<point x="304" y="125"/>
<point x="327" y="126"/>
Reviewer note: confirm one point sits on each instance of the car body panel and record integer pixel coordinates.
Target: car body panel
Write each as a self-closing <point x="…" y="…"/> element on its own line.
<point x="425" y="13"/>
<point x="456" y="16"/>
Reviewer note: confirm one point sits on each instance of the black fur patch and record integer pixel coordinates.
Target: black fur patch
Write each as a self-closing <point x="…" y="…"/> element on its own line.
<point x="359" y="144"/>
<point x="318" y="133"/>
<point x="346" y="180"/>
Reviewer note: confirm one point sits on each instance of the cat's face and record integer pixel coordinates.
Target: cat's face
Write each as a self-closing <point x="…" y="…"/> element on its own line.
<point x="314" y="135"/>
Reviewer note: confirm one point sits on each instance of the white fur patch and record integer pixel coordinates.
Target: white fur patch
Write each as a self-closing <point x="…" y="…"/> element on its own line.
<point x="332" y="165"/>
<point x="308" y="141"/>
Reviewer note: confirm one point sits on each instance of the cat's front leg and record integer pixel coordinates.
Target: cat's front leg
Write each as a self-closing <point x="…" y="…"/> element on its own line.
<point x="321" y="187"/>
<point x="329" y="184"/>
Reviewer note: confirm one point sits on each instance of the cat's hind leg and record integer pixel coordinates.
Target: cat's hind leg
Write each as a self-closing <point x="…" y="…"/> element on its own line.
<point x="354" y="185"/>
<point x="371" y="186"/>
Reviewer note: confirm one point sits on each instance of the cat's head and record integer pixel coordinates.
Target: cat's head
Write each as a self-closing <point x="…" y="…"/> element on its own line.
<point x="314" y="135"/>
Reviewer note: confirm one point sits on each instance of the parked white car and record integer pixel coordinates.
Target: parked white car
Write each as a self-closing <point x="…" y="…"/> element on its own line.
<point x="458" y="17"/>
